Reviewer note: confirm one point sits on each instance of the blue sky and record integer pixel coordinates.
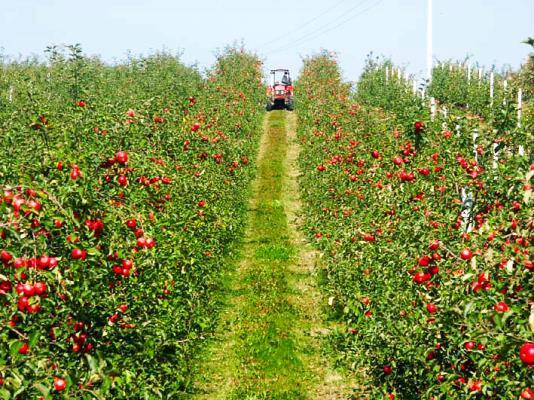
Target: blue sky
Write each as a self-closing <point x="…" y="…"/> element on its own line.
<point x="281" y="32"/>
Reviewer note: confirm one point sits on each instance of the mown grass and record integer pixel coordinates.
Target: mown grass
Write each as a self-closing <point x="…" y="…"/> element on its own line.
<point x="266" y="346"/>
<point x="268" y="349"/>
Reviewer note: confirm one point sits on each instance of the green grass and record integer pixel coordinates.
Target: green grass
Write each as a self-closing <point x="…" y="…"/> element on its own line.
<point x="263" y="347"/>
<point x="267" y="348"/>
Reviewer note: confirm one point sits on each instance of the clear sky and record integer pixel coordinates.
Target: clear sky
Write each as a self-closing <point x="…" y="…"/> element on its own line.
<point x="281" y="32"/>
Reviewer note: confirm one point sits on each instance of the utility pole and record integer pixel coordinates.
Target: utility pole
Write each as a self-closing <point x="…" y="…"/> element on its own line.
<point x="429" y="42"/>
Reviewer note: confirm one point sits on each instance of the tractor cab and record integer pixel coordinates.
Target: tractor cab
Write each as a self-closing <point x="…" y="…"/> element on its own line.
<point x="280" y="90"/>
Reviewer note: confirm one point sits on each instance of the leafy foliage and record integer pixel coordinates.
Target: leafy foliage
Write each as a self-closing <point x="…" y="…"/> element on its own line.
<point x="426" y="236"/>
<point x="123" y="188"/>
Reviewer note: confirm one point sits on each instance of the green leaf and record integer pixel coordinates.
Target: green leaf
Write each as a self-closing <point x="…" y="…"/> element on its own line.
<point x="91" y="362"/>
<point x="34" y="338"/>
<point x="43" y="389"/>
<point x="14" y="348"/>
<point x="468" y="308"/>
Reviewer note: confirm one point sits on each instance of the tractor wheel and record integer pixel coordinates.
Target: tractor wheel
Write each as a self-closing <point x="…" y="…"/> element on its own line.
<point x="290" y="106"/>
<point x="269" y="106"/>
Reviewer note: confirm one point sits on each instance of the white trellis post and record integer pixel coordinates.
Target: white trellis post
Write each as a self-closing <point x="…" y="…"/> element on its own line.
<point x="495" y="155"/>
<point x="414" y="87"/>
<point x="432" y="108"/>
<point x="492" y="77"/>
<point x="475" y="137"/>
<point x="469" y="73"/>
<point x="519" y="106"/>
<point x="387" y="74"/>
<point x="11" y="94"/>
<point x="457" y="129"/>
<point x="505" y="89"/>
<point x="467" y="207"/>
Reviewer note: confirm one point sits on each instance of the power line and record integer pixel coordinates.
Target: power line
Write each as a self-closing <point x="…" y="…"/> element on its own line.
<point x="304" y="24"/>
<point x="334" y="20"/>
<point x="324" y="29"/>
<point x="344" y="21"/>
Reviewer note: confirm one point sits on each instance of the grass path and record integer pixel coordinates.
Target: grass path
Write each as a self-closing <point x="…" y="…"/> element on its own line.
<point x="267" y="345"/>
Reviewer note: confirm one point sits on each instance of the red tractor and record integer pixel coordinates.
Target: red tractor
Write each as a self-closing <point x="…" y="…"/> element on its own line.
<point x="280" y="90"/>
